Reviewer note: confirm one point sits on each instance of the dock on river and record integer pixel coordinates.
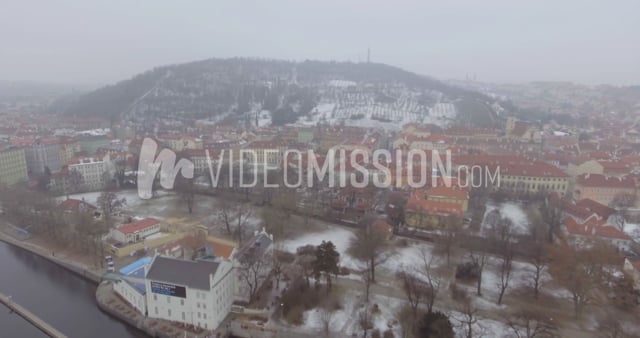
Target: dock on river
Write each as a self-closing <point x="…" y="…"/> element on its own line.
<point x="31" y="318"/>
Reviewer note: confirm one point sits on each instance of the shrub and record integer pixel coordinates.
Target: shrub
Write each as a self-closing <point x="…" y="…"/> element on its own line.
<point x="468" y="271"/>
<point x="376" y="334"/>
<point x="306" y="250"/>
<point x="295" y="315"/>
<point x="458" y="294"/>
<point x="435" y="325"/>
<point x="388" y="334"/>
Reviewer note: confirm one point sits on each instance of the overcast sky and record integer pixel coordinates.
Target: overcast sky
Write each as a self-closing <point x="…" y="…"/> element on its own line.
<point x="91" y="41"/>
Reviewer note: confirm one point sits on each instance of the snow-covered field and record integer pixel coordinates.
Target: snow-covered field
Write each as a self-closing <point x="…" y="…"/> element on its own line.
<point x="633" y="230"/>
<point x="512" y="211"/>
<point x="397" y="259"/>
<point x="364" y="112"/>
<point x="345" y="320"/>
<point x="165" y="204"/>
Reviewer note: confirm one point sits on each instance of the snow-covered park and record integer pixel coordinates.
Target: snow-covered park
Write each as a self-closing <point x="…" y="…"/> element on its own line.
<point x="513" y="211"/>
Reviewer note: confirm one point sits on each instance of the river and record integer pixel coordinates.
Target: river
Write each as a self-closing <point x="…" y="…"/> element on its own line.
<point x="57" y="296"/>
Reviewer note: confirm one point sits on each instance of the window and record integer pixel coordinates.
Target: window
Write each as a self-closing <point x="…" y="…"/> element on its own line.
<point x="184" y="317"/>
<point x="156" y="310"/>
<point x="182" y="302"/>
<point x="155" y="297"/>
<point x="198" y="315"/>
<point x="169" y="312"/>
<point x="168" y="300"/>
<point x="204" y="316"/>
<point x="204" y="306"/>
<point x="198" y="305"/>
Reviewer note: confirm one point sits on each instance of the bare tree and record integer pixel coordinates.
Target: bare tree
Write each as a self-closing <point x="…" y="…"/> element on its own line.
<point x="277" y="266"/>
<point x="366" y="278"/>
<point x="448" y="242"/>
<point x="253" y="271"/>
<point x="414" y="289"/>
<point x="326" y="316"/>
<point x="276" y="217"/>
<point x="479" y="259"/>
<point x="243" y="213"/>
<point x="431" y="283"/>
<point x="552" y="217"/>
<point x="234" y="216"/>
<point x="581" y="271"/>
<point x="370" y="247"/>
<point x="225" y="214"/>
<point x="531" y="324"/>
<point x="468" y="316"/>
<point x="505" y="269"/>
<point x="407" y="322"/>
<point x="539" y="260"/>
<point x="109" y="203"/>
<point x="609" y="327"/>
<point x="186" y="190"/>
<point x="365" y="321"/>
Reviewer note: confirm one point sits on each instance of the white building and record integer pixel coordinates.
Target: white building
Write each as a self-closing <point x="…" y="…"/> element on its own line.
<point x="93" y="171"/>
<point x="134" y="293"/>
<point x="198" y="293"/>
<point x="136" y="231"/>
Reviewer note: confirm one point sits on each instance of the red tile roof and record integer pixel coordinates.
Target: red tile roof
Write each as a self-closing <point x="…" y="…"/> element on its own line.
<point x="75" y="205"/>
<point x="594" y="227"/>
<point x="602" y="181"/>
<point x="594" y="207"/>
<point x="446" y="192"/>
<point x="138" y="225"/>
<point x="420" y="205"/>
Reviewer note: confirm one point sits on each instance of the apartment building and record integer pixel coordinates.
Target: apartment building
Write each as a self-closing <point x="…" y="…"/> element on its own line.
<point x="13" y="166"/>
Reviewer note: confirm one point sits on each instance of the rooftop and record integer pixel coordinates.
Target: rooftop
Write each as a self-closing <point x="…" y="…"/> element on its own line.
<point x="134" y="227"/>
<point x="194" y="274"/>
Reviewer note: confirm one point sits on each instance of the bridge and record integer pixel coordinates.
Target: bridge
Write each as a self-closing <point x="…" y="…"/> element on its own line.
<point x="31" y="318"/>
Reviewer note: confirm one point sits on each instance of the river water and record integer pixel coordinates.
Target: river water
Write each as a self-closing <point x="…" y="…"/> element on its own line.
<point x="57" y="296"/>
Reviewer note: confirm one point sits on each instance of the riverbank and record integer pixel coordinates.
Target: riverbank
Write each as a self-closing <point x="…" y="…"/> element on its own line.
<point x="90" y="274"/>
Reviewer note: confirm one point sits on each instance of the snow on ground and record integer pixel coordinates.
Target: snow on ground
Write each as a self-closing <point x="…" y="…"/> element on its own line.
<point x="264" y="118"/>
<point x="512" y="211"/>
<point x="398" y="259"/>
<point x="339" y="318"/>
<point x="164" y="204"/>
<point x="338" y="236"/>
<point x="365" y="112"/>
<point x="633" y="230"/>
<point x="410" y="257"/>
<point x="345" y="320"/>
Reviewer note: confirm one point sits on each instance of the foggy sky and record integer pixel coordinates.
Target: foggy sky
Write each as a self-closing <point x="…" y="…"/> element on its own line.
<point x="91" y="41"/>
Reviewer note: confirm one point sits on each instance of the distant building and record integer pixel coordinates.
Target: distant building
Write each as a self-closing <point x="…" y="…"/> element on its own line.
<point x="13" y="166"/>
<point x="89" y="144"/>
<point x="522" y="131"/>
<point x="518" y="174"/>
<point x="581" y="233"/>
<point x="76" y="206"/>
<point x="43" y="154"/>
<point x="94" y="171"/>
<point x="136" y="231"/>
<point x="603" y="189"/>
